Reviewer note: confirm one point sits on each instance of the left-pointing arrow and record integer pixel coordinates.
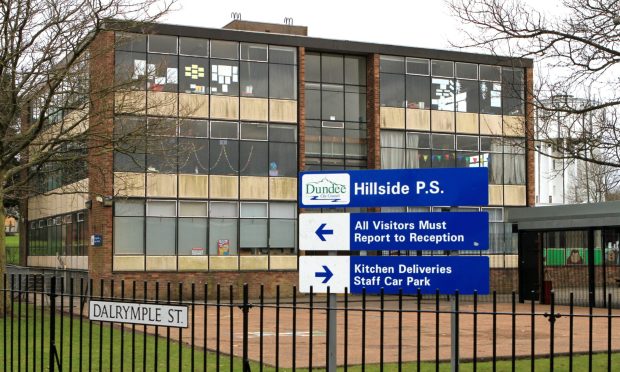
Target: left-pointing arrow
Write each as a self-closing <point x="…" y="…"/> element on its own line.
<point x="322" y="231"/>
<point x="326" y="274"/>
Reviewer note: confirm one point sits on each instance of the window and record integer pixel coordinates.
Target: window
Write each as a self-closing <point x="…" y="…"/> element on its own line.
<point x="392" y="64"/>
<point x="194" y="75"/>
<point x="467" y="152"/>
<point x="490" y="98"/>
<point x="442" y="68"/>
<point x="392" y="90"/>
<point x="354" y="70"/>
<point x="224" y="77"/>
<point x="224" y="156"/>
<point x="418" y="92"/>
<point x="224" y="49"/>
<point x="254" y="158"/>
<point x="130" y="149"/>
<point x="513" y="91"/>
<point x="442" y="94"/>
<point x="491" y="157"/>
<point x="225" y="129"/>
<point x="467" y="96"/>
<point x="194" y="128"/>
<point x="193" y="225"/>
<point x="254" y="81"/>
<point x="253" y="52"/>
<point x="223" y="228"/>
<point x="130" y="42"/>
<point x="392" y="149"/>
<point x="467" y="71"/>
<point x="282" y="81"/>
<point x="281" y="54"/>
<point x="193" y="155"/>
<point x="417" y="66"/>
<point x="162" y="44"/>
<point x="193" y="47"/>
<point x="129" y="227"/>
<point x="418" y="150"/>
<point x="130" y="70"/>
<point x="514" y="162"/>
<point x="161" y="154"/>
<point x="332" y="102"/>
<point x="313" y="67"/>
<point x="282" y="159"/>
<point x="162" y="73"/>
<point x="282" y="228"/>
<point x="332" y="69"/>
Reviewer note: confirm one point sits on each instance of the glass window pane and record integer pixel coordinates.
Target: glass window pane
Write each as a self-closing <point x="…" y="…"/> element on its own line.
<point x="313" y="103"/>
<point x="254" y="81"/>
<point x="313" y="141"/>
<point x="222" y="237"/>
<point x="193" y="156"/>
<point x="161" y="127"/>
<point x="355" y="143"/>
<point x="253" y="233"/>
<point x="332" y="142"/>
<point x="513" y="91"/>
<point x="355" y="107"/>
<point x="467" y="96"/>
<point x="354" y="70"/>
<point x="130" y="70"/>
<point x="224" y="49"/>
<point x="254" y="158"/>
<point x="467" y="143"/>
<point x="224" y="77"/>
<point x="282" y="81"/>
<point x="283" y="133"/>
<point x="129" y="235"/>
<point x="443" y="159"/>
<point x="443" y="141"/>
<point x="442" y="68"/>
<point x="466" y="159"/>
<point x="392" y="158"/>
<point x="332" y="69"/>
<point x="417" y="66"/>
<point x="162" y="72"/>
<point x="418" y="140"/>
<point x="129" y="208"/>
<point x="392" y="90"/>
<point x="442" y="94"/>
<point x="313" y="67"/>
<point x="224" y="157"/>
<point x="490" y="144"/>
<point x="332" y="104"/>
<point x="254" y="52"/>
<point x="161" y="208"/>
<point x="225" y="129"/>
<point x="281" y="54"/>
<point x="193" y="209"/>
<point x="194" y="47"/>
<point x="193" y="237"/>
<point x="162" y="44"/>
<point x="283" y="159"/>
<point x="194" y="128"/>
<point x="161" y="155"/>
<point x="393" y="64"/>
<point x="223" y="209"/>
<point x="282" y="233"/>
<point x="467" y="71"/>
<point x="418" y="158"/>
<point x="160" y="236"/>
<point x="194" y="76"/>
<point x="253" y="210"/>
<point x="282" y="210"/>
<point x="390" y="138"/>
<point x="254" y="131"/>
<point x="418" y="92"/>
<point x="489" y="73"/>
<point x="490" y="98"/>
<point x="130" y="42"/>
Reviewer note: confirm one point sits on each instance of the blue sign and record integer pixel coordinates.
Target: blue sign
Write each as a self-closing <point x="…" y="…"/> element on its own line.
<point x="445" y="274"/>
<point x="394" y="231"/>
<point x="394" y="187"/>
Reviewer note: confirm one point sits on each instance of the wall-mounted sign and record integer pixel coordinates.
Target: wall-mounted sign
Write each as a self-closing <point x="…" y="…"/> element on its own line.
<point x="136" y="313"/>
<point x="96" y="240"/>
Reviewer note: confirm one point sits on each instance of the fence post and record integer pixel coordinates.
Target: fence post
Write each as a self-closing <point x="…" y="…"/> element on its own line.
<point x="53" y="353"/>
<point x="246" y="309"/>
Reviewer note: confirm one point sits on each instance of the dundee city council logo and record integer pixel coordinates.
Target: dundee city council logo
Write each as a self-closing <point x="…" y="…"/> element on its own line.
<point x="318" y="189"/>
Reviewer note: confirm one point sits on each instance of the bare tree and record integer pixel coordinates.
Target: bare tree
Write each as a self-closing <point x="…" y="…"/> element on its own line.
<point x="576" y="50"/>
<point x="46" y="93"/>
<point x="592" y="183"/>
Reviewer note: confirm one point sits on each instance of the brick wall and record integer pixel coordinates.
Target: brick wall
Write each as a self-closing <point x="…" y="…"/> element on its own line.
<point x="372" y="111"/>
<point x="529" y="132"/>
<point x="301" y="108"/>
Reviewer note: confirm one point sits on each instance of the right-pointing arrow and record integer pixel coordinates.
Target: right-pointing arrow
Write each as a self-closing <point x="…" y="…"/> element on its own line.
<point x="321" y="232"/>
<point x="326" y="274"/>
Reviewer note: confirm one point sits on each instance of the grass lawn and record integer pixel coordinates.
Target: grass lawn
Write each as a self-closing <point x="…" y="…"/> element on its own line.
<point x="133" y="346"/>
<point x="12" y="249"/>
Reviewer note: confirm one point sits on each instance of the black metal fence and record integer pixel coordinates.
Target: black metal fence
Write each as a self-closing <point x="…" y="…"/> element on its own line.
<point x="46" y="326"/>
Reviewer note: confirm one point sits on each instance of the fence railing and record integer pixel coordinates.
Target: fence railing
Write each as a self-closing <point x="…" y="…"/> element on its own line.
<point x="46" y="326"/>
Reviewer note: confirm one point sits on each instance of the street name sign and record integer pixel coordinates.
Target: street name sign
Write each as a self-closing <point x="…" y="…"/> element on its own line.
<point x="394" y="187"/>
<point x="428" y="273"/>
<point x="137" y="313"/>
<point x="394" y="231"/>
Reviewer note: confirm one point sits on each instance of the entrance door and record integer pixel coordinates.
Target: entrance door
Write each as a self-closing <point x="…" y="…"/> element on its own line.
<point x="529" y="266"/>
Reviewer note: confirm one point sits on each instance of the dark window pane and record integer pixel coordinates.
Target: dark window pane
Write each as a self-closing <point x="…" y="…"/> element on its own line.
<point x="467" y="143"/>
<point x="254" y="159"/>
<point x="283" y="133"/>
<point x="313" y="67"/>
<point x="224" y="77"/>
<point x="418" y="92"/>
<point x="442" y="94"/>
<point x="192" y="236"/>
<point x="224" y="157"/>
<point x="467" y="96"/>
<point x="491" y="144"/>
<point x="418" y="158"/>
<point x="282" y="81"/>
<point x="313" y="141"/>
<point x="392" y="90"/>
<point x="222" y="236"/>
<point x="355" y="143"/>
<point x="332" y="69"/>
<point x="355" y="107"/>
<point x="512" y="91"/>
<point x="467" y="71"/>
<point x="283" y="159"/>
<point x="443" y="141"/>
<point x="193" y="155"/>
<point x="254" y="52"/>
<point x="332" y="142"/>
<point x="490" y="98"/>
<point x="467" y="159"/>
<point x="253" y="234"/>
<point x="392" y="158"/>
<point x="254" y="79"/>
<point x="162" y="44"/>
<point x="163" y="74"/>
<point x="161" y="127"/>
<point x="194" y="128"/>
<point x="194" y="47"/>
<point x="417" y="66"/>
<point x="442" y="68"/>
<point x="443" y="159"/>
<point x="224" y="49"/>
<point x="254" y="131"/>
<point x="225" y="129"/>
<point x="332" y="104"/>
<point x="130" y="70"/>
<point x="161" y="155"/>
<point x="355" y="70"/>
<point x="392" y="64"/>
<point x="494" y="163"/>
<point x="313" y="104"/>
<point x="130" y="147"/>
<point x="490" y="73"/>
<point x="194" y="75"/>
<point x="418" y="140"/>
<point x="280" y="54"/>
<point x="130" y="42"/>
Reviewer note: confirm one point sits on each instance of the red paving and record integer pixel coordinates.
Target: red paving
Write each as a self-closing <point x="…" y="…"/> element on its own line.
<point x="372" y="351"/>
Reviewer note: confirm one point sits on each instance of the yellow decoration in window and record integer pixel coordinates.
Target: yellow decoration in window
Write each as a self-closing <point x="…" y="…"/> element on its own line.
<point x="194" y="71"/>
